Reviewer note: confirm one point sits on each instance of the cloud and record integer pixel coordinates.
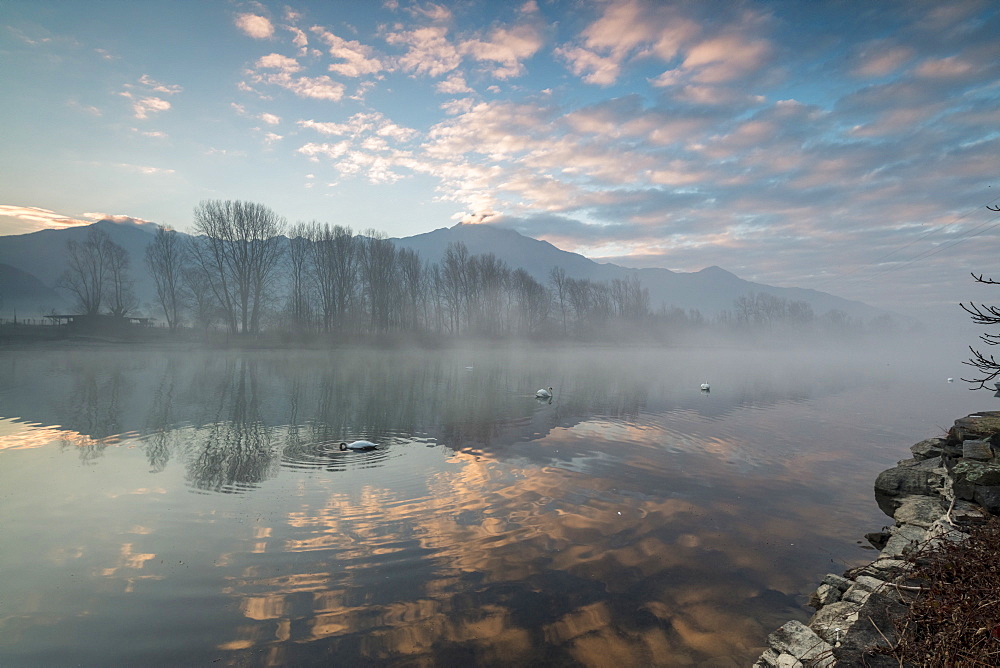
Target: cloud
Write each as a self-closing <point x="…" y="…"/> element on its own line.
<point x="276" y="61"/>
<point x="358" y="58"/>
<point x="121" y="219"/>
<point x="258" y="27"/>
<point x="429" y="51"/>
<point x="157" y="87"/>
<point x="270" y="119"/>
<point x="318" y="88"/>
<point x="508" y="47"/>
<point x="453" y="85"/>
<point x="32" y="219"/>
<point x="142" y="108"/>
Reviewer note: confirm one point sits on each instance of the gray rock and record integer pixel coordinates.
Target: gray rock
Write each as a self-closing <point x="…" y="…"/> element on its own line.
<point x="856" y="595"/>
<point x="965" y="513"/>
<point x="928" y="448"/>
<point x="988" y="496"/>
<point x="922" y="511"/>
<point x="769" y="659"/>
<point x="834" y="621"/>
<point x="885" y="569"/>
<point x="838" y="581"/>
<point x="977" y="449"/>
<point x="823" y="596"/>
<point x="968" y="474"/>
<point x="876" y="623"/>
<point x="800" y="641"/>
<point x="902" y="540"/>
<point x="924" y="478"/>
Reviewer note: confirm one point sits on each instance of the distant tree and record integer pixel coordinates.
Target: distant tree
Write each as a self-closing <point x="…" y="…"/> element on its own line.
<point x="122" y="299"/>
<point x="378" y="277"/>
<point x="299" y="253"/>
<point x="238" y="249"/>
<point x="557" y="276"/>
<point x="86" y="272"/>
<point x="197" y="293"/>
<point x="165" y="259"/>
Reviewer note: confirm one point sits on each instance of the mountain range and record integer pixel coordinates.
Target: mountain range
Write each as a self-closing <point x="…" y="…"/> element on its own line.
<point x="30" y="266"/>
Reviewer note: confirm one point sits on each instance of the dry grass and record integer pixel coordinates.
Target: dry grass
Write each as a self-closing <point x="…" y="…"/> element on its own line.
<point x="954" y="621"/>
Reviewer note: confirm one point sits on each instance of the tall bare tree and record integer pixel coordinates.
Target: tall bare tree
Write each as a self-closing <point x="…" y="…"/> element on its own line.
<point x="238" y="248"/>
<point x="87" y="270"/>
<point x="300" y="248"/>
<point x="165" y="258"/>
<point x="122" y="299"/>
<point x="379" y="277"/>
<point x="334" y="270"/>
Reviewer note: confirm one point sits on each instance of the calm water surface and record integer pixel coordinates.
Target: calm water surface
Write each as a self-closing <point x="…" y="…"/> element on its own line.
<point x="161" y="508"/>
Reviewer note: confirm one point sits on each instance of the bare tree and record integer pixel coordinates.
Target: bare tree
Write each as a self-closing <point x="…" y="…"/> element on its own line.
<point x="165" y="259"/>
<point x="238" y="249"/>
<point x="87" y="269"/>
<point x="122" y="299"/>
<point x="378" y="276"/>
<point x="557" y="276"/>
<point x="982" y="314"/>
<point x="334" y="270"/>
<point x="198" y="294"/>
<point x="299" y="253"/>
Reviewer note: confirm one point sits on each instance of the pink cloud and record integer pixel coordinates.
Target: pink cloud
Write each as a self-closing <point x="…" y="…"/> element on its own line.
<point x="508" y="47"/>
<point x="429" y="51"/>
<point x="357" y="57"/>
<point x="31" y="219"/>
<point x="276" y="61"/>
<point x="258" y="27"/>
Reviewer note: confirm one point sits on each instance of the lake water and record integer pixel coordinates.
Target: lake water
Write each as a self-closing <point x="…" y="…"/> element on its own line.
<point x="192" y="508"/>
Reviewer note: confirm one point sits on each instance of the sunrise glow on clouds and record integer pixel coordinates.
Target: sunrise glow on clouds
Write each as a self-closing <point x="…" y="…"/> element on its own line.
<point x="791" y="143"/>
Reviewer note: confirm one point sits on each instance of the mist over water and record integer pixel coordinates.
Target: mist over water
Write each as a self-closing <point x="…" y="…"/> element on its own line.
<point x="167" y="508"/>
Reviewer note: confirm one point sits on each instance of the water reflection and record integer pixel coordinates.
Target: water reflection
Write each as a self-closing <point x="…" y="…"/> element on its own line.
<point x="633" y="520"/>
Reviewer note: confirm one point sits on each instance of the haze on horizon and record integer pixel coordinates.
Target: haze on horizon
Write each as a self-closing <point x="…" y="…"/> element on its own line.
<point x="848" y="147"/>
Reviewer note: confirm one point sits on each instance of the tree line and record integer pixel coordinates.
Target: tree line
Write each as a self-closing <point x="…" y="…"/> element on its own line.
<point x="245" y="270"/>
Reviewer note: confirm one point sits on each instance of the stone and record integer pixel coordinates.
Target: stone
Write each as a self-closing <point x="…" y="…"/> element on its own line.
<point x="800" y="641"/>
<point x="878" y="539"/>
<point x="885" y="569"/>
<point x="823" y="596"/>
<point x="838" y="581"/>
<point x="856" y="595"/>
<point x="965" y="513"/>
<point x="925" y="478"/>
<point x="988" y="496"/>
<point x="979" y="450"/>
<point x="968" y="474"/>
<point x="902" y="540"/>
<point x="769" y="659"/>
<point x="928" y="448"/>
<point x="833" y="621"/>
<point x="974" y="426"/>
<point x="922" y="511"/>
<point x="877" y="620"/>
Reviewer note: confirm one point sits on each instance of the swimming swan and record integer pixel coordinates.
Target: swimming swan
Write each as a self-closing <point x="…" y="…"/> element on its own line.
<point x="358" y="446"/>
<point x="705" y="387"/>
<point x="544" y="394"/>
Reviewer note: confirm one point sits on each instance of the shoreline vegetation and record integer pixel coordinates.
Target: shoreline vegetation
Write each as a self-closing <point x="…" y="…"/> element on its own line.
<point x="932" y="596"/>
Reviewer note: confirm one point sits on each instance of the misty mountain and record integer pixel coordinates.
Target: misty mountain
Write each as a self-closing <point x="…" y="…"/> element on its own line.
<point x="24" y="292"/>
<point x="710" y="290"/>
<point x="42" y="256"/>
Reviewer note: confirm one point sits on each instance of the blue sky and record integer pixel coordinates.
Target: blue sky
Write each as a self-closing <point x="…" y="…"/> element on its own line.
<point x="849" y="147"/>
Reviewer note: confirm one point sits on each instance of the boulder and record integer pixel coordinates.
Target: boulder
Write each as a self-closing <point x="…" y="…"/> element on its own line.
<point x="967" y="475"/>
<point x="904" y="538"/>
<point x="988" y="496"/>
<point x="922" y="511"/>
<point x="800" y="641"/>
<point x="978" y="449"/>
<point x="876" y="624"/>
<point x="924" y="478"/>
<point x="975" y="426"/>
<point x="928" y="448"/>
<point x="832" y="622"/>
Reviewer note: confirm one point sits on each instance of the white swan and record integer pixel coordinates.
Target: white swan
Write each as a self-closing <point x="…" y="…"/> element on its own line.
<point x="544" y="394"/>
<point x="358" y="446"/>
<point x="705" y="387"/>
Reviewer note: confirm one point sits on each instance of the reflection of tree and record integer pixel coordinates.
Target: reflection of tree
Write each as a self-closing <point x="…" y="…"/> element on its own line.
<point x="236" y="449"/>
<point x="160" y="423"/>
<point x="98" y="388"/>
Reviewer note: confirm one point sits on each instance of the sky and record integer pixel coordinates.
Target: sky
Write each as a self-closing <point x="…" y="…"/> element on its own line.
<point x="849" y="147"/>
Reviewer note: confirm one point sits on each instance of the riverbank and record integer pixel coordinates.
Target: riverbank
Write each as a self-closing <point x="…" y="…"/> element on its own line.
<point x="949" y="486"/>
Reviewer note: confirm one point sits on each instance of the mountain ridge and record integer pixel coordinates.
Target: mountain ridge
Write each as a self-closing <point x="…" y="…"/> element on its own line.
<point x="710" y="290"/>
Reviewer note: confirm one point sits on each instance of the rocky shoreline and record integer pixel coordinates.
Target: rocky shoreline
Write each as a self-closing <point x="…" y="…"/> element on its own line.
<point x="949" y="483"/>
